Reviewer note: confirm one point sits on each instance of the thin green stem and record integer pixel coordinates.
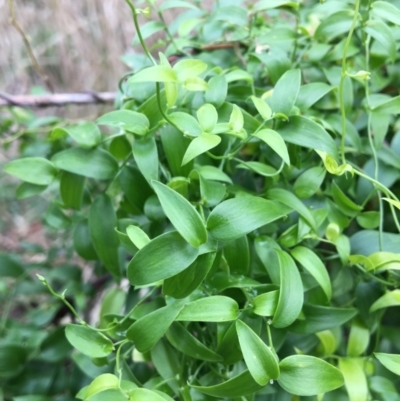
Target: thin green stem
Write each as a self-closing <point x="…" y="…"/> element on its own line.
<point x="342" y="79"/>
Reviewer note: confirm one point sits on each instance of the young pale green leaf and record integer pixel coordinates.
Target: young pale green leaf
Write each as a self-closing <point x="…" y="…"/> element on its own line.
<point x="307" y="133"/>
<point x="189" y="68"/>
<point x="163" y="257"/>
<point x="214" y="173"/>
<point x="333" y="26"/>
<point x="86" y="135"/>
<point x="186" y="123"/>
<point x="200" y="145"/>
<point x="358" y="339"/>
<point x="147" y="331"/>
<point x="143" y="394"/>
<point x="185" y="282"/>
<point x="260" y="360"/>
<point x="238" y="386"/>
<point x="263" y="108"/>
<point x="146" y="158"/>
<point x="269" y="4"/>
<point x="386" y="11"/>
<point x="88" y="341"/>
<point x="166" y="5"/>
<point x="275" y="141"/>
<point x="382" y="34"/>
<point x="92" y="163"/>
<point x="125" y="242"/>
<point x="210" y="309"/>
<point x="237" y="217"/>
<point x="102" y="221"/>
<point x="195" y="84"/>
<point x="127" y="120"/>
<point x="391" y="298"/>
<point x="306" y="375"/>
<point x="265" y="304"/>
<point x="182" y="214"/>
<point x="208" y="117"/>
<point x="354" y="378"/>
<point x="236" y="120"/>
<point x="71" y="189"/>
<point x="137" y="236"/>
<point x="101" y="383"/>
<point x="285" y="92"/>
<point x="291" y="295"/>
<point x="393" y="202"/>
<point x="217" y="90"/>
<point x="313" y="264"/>
<point x="311" y="93"/>
<point x="171" y="92"/>
<point x="309" y="182"/>
<point x="378" y="261"/>
<point x="389" y="361"/>
<point x="332" y="165"/>
<point x="157" y="73"/>
<point x="35" y="170"/>
<point x="185" y="342"/>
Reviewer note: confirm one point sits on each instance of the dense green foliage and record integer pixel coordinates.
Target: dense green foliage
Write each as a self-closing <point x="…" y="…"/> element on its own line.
<point x="248" y="193"/>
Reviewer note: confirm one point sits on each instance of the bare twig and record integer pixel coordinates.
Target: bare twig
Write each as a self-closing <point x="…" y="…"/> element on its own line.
<point x="60" y="99"/>
<point x="28" y="47"/>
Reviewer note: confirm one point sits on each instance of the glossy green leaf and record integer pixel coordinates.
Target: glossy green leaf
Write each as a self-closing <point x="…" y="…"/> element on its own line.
<point x="137" y="236"/>
<point x="217" y="90"/>
<point x="208" y="117"/>
<point x="71" y="189"/>
<point x="393" y="202"/>
<point x="103" y="382"/>
<point x="291" y="295"/>
<point x="127" y="120"/>
<point x="265" y="304"/>
<point x="189" y="345"/>
<point x="158" y="73"/>
<point x="285" y="92"/>
<point x="143" y="394"/>
<point x="200" y="145"/>
<point x="310" y="94"/>
<point x="237" y="386"/>
<point x="275" y="141"/>
<point x="389" y="361"/>
<point x="368" y="220"/>
<point x="236" y="217"/>
<point x="189" y="68"/>
<point x="86" y="135"/>
<point x="214" y="173"/>
<point x="210" y="309"/>
<point x="382" y="34"/>
<point x="237" y="255"/>
<point x="366" y="242"/>
<point x="92" y="163"/>
<point x="313" y="264"/>
<point x="83" y="244"/>
<point x="358" y="339"/>
<point x="391" y="106"/>
<point x="354" y="378"/>
<point x="307" y="133"/>
<point x="186" y="123"/>
<point x="185" y="282"/>
<point x="345" y="204"/>
<point x="212" y="192"/>
<point x="88" y="341"/>
<point x="391" y="298"/>
<point x="236" y="120"/>
<point x="269" y="4"/>
<point x="386" y="10"/>
<point x="306" y="375"/>
<point x="260" y="359"/>
<point x="148" y="330"/>
<point x="263" y="108"/>
<point x="378" y="261"/>
<point x="146" y="158"/>
<point x="182" y="214"/>
<point x="333" y="26"/>
<point x="309" y="182"/>
<point x="35" y="170"/>
<point x="148" y="265"/>
<point x="102" y="221"/>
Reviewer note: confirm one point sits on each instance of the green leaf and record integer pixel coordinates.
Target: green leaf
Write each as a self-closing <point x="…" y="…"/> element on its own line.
<point x="387" y="11"/>
<point x="189" y="68"/>
<point x="185" y="282"/>
<point x="71" y="189"/>
<point x="366" y="242"/>
<point x="148" y="265"/>
<point x="83" y="244"/>
<point x="354" y="378"/>
<point x="217" y="90"/>
<point x="176" y="3"/>
<point x="313" y="264"/>
<point x="137" y="236"/>
<point x="389" y="361"/>
<point x="236" y="217"/>
<point x="263" y="108"/>
<point x="291" y="295"/>
<point x="310" y="94"/>
<point x="368" y="220"/>
<point x="157" y="73"/>
<point x="86" y="135"/>
<point x="275" y="141"/>
<point x="208" y="117"/>
<point x="214" y="173"/>
<point x="391" y="298"/>
<point x="189" y="345"/>
<point x="147" y="331"/>
<point x="358" y="339"/>
<point x="306" y="375"/>
<point x="309" y="182"/>
<point x="265" y="304"/>
<point x="9" y="266"/>
<point x="101" y="383"/>
<point x="200" y="145"/>
<point x="240" y="385"/>
<point x="92" y="163"/>
<point x="285" y="92"/>
<point x="382" y="34"/>
<point x="88" y="341"/>
<point x="102" y="221"/>
<point x="210" y="309"/>
<point x="12" y="360"/>
<point x="127" y="120"/>
<point x="212" y="192"/>
<point x="237" y="255"/>
<point x="345" y="204"/>
<point x="186" y="123"/>
<point x="259" y="168"/>
<point x="182" y="214"/>
<point x="336" y="24"/>
<point x="236" y="120"/>
<point x="393" y="202"/>
<point x="391" y="106"/>
<point x="319" y="318"/>
<point x="143" y="394"/>
<point x="378" y="261"/>
<point x="269" y="4"/>
<point x="146" y="158"/>
<point x="35" y="170"/>
<point x="260" y="359"/>
<point x="26" y="190"/>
